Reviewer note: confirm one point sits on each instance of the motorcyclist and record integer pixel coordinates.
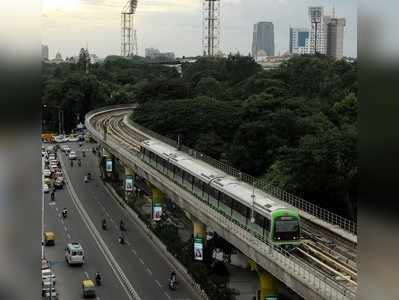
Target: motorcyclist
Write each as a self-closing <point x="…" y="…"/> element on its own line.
<point x="79" y="162"/>
<point x="172" y="280"/>
<point x="89" y="175"/>
<point x="98" y="278"/>
<point x="122" y="226"/>
<point x="52" y="195"/>
<point x="86" y="179"/>
<point x="104" y="224"/>
<point x="121" y="239"/>
<point x="64" y="213"/>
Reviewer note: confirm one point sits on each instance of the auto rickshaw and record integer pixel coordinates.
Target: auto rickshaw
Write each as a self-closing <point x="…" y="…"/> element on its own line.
<point x="49" y="238"/>
<point x="88" y="288"/>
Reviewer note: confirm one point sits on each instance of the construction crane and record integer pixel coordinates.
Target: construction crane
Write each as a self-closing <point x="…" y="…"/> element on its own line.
<point x="128" y="30"/>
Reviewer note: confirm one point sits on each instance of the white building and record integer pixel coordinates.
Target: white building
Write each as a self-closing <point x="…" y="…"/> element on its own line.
<point x="299" y="41"/>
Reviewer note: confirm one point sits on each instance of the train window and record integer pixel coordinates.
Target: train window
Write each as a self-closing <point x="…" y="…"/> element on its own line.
<point x="169" y="168"/>
<point x="213" y="196"/>
<point x="188" y="180"/>
<point x="178" y="174"/>
<point x="225" y="203"/>
<point x="259" y="223"/>
<point x="240" y="212"/>
<point x="198" y="186"/>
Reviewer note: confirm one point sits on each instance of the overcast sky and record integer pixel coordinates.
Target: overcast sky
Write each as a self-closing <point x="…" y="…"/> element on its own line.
<point x="176" y="25"/>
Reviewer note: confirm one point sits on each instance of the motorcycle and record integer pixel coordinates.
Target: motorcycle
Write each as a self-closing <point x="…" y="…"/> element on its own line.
<point x="64" y="214"/>
<point x="121" y="240"/>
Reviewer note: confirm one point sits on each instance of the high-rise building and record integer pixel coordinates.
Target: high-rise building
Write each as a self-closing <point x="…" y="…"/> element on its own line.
<point x="45" y="52"/>
<point x="335" y="37"/>
<point x="263" y="40"/>
<point x="299" y="40"/>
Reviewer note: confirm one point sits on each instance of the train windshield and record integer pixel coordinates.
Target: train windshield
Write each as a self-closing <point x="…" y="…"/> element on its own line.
<point x="286" y="229"/>
<point x="287" y="226"/>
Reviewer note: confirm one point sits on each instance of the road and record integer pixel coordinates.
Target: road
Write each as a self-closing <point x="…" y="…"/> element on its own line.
<point x="144" y="265"/>
<point x="73" y="229"/>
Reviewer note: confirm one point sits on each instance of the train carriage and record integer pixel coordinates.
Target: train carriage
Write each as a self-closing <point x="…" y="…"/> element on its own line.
<point x="265" y="216"/>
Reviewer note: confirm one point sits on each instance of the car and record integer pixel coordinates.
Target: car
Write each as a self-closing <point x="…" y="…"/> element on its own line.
<point x="73" y="138"/>
<point x="47" y="173"/>
<point x="46" y="188"/>
<point x="58" y="174"/>
<point x="72" y="155"/>
<point x="48" y="275"/>
<point x="52" y="156"/>
<point x="59" y="184"/>
<point x="45" y="264"/>
<point x="74" y="254"/>
<point x="66" y="148"/>
<point x="60" y="139"/>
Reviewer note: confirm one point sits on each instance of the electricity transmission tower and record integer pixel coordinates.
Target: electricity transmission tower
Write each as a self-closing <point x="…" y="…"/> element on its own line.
<point x="128" y="31"/>
<point x="211" y="27"/>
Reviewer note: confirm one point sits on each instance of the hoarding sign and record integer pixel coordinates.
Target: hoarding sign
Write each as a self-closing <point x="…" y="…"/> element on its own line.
<point x="108" y="165"/>
<point x="157" y="211"/>
<point x="198" y="249"/>
<point x="129" y="183"/>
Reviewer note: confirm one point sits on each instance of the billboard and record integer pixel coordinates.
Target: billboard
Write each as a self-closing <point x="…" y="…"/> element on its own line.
<point x="129" y="183"/>
<point x="108" y="165"/>
<point x="198" y="249"/>
<point x="157" y="211"/>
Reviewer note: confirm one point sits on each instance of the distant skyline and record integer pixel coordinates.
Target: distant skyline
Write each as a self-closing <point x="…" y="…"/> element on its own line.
<point x="176" y="25"/>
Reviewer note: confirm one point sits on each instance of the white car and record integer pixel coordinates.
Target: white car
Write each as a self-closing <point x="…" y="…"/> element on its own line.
<point x="66" y="149"/>
<point x="47" y="275"/>
<point x="46" y="173"/>
<point x="72" y="155"/>
<point x="46" y="189"/>
<point x="74" y="254"/>
<point x="60" y="139"/>
<point x="73" y="138"/>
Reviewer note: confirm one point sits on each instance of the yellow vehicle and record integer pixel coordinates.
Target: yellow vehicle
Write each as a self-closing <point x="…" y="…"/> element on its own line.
<point x="49" y="238"/>
<point x="88" y="288"/>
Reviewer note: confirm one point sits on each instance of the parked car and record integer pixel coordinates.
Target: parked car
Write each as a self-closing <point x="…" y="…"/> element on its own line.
<point x="46" y="188"/>
<point x="47" y="173"/>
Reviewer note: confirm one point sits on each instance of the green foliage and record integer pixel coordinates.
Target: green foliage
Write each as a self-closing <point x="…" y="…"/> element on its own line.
<point x="295" y="125"/>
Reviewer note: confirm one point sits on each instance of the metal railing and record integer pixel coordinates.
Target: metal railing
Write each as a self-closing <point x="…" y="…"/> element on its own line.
<point x="311" y="277"/>
<point x="261" y="184"/>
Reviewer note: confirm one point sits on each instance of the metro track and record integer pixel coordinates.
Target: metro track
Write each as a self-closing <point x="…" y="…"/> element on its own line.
<point x="331" y="255"/>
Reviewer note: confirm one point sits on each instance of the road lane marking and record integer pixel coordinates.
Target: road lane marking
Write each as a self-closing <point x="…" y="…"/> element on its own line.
<point x="149" y="271"/>
<point x="142" y="261"/>
<point x="167" y="295"/>
<point x="127" y="242"/>
<point x="66" y="229"/>
<point x="87" y="275"/>
<point x="134" y="251"/>
<point x="69" y="236"/>
<point x="102" y="246"/>
<point x="159" y="284"/>
<point x="112" y="220"/>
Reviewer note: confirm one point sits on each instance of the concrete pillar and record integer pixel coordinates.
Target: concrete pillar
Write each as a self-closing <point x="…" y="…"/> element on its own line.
<point x="199" y="230"/>
<point x="269" y="285"/>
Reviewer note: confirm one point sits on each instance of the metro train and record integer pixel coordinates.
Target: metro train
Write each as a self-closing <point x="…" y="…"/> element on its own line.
<point x="265" y="216"/>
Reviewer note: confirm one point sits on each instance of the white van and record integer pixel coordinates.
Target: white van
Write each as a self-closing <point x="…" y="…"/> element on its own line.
<point x="74" y="254"/>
